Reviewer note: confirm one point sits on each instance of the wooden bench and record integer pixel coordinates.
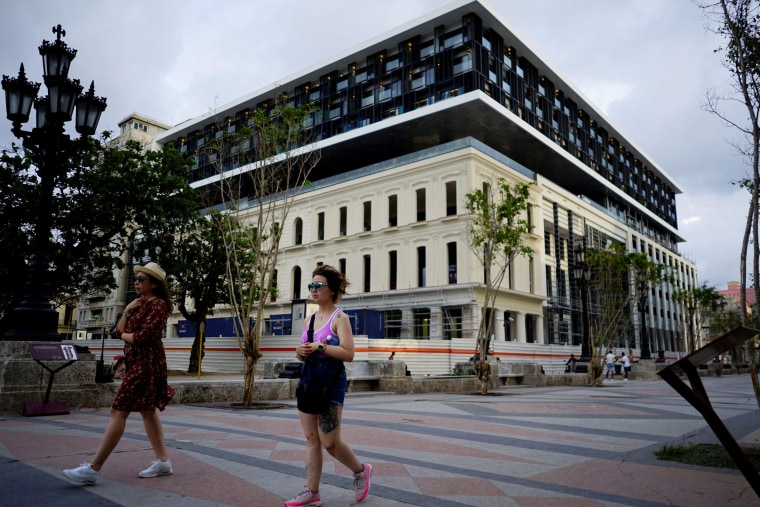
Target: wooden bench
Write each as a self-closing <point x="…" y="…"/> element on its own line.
<point x="697" y="396"/>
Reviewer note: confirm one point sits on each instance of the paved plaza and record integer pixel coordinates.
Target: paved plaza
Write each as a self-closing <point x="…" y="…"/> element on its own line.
<point x="519" y="446"/>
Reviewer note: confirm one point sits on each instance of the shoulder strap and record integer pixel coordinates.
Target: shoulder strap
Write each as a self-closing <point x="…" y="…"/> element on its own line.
<point x="311" y="327"/>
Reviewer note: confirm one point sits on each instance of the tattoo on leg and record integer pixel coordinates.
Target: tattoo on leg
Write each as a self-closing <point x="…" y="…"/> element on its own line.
<point x="328" y="421"/>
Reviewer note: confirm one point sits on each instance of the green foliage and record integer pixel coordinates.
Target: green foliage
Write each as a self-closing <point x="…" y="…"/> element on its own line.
<point x="709" y="455"/>
<point x="281" y="160"/>
<point x="498" y="226"/>
<point x="701" y="304"/>
<point x="99" y="197"/>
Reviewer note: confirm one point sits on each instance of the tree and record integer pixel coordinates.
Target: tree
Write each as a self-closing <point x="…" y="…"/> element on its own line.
<point x="280" y="164"/>
<point x="701" y="304"/>
<point x="192" y="255"/>
<point x="645" y="274"/>
<point x="497" y="235"/>
<point x="738" y="22"/>
<point x="88" y="238"/>
<point x="611" y="295"/>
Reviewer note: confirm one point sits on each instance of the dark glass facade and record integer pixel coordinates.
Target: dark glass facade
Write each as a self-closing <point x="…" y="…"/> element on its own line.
<point x="453" y="59"/>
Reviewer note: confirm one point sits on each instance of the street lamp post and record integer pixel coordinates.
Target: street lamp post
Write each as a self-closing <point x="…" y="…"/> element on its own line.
<point x="582" y="274"/>
<point x="50" y="149"/>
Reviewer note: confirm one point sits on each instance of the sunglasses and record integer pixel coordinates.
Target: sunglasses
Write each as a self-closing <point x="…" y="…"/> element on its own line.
<point x="141" y="279"/>
<point x="316" y="286"/>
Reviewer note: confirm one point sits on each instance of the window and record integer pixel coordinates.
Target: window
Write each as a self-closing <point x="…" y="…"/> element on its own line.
<point x="321" y="226"/>
<point x="392" y="269"/>
<point x="452" y="323"/>
<point x="298" y="232"/>
<point x="421" y="266"/>
<point x="393" y="324"/>
<point x="549" y="291"/>
<point x="343" y="220"/>
<point x="273" y="292"/>
<point x="531" y="284"/>
<point x="342" y="266"/>
<point x="367" y="273"/>
<point x="452" y="250"/>
<point x="367" y="216"/>
<point x="422" y="323"/>
<point x="420" y="204"/>
<point x="547" y="243"/>
<point x="296" y="283"/>
<point x="451" y="198"/>
<point x="392" y="211"/>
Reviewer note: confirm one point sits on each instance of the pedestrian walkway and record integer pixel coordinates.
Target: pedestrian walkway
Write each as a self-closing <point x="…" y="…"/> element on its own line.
<point x="520" y="446"/>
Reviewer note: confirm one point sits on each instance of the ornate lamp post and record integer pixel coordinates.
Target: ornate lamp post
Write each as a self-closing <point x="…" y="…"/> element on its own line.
<point x="582" y="274"/>
<point x="50" y="150"/>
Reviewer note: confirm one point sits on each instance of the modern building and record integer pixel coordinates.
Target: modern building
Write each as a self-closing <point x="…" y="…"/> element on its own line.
<point x="99" y="312"/>
<point x="411" y="122"/>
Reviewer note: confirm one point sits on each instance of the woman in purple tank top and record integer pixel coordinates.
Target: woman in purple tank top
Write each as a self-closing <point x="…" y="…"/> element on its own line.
<point x="333" y="342"/>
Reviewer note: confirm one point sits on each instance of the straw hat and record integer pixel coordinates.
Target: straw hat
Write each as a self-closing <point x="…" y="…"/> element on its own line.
<point x="153" y="270"/>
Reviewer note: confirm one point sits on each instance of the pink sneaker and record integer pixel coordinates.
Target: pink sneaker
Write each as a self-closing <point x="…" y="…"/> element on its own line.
<point x="362" y="482"/>
<point x="306" y="498"/>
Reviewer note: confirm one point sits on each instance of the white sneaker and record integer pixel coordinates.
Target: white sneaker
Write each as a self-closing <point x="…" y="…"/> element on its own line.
<point x="83" y="474"/>
<point x="157" y="468"/>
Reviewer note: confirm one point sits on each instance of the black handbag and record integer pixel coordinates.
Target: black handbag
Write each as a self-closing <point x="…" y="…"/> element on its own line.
<point x="312" y="395"/>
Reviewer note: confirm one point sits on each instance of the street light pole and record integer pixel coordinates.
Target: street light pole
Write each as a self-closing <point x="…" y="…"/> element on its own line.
<point x="582" y="274"/>
<point x="50" y="150"/>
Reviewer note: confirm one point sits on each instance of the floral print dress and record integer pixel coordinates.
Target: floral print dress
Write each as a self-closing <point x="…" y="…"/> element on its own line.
<point x="145" y="385"/>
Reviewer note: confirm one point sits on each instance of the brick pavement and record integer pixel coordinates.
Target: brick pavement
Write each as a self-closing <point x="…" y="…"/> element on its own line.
<point x="522" y="446"/>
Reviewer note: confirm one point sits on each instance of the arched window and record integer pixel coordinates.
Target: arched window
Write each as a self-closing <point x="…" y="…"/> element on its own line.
<point x="298" y="232"/>
<point x="296" y="283"/>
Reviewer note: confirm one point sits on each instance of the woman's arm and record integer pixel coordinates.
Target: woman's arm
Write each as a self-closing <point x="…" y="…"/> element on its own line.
<point x="153" y="323"/>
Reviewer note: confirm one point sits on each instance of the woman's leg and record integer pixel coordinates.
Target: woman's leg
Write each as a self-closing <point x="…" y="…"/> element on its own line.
<point x="313" y="451"/>
<point x="114" y="431"/>
<point x="155" y="433"/>
<point x="329" y="434"/>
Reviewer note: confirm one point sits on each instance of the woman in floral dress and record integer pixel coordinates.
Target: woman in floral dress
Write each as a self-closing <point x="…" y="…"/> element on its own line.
<point x="145" y="388"/>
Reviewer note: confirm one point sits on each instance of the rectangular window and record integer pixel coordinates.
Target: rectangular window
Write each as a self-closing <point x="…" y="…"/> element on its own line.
<point x="422" y="323"/>
<point x="451" y="198"/>
<point x="547" y="243"/>
<point x="342" y="266"/>
<point x="392" y="269"/>
<point x="343" y="220"/>
<point x="549" y="291"/>
<point x="367" y="216"/>
<point x="393" y="324"/>
<point x="321" y="225"/>
<point x="452" y="323"/>
<point x="392" y="211"/>
<point x="421" y="267"/>
<point x="531" y="285"/>
<point x="367" y="273"/>
<point x="421" y="204"/>
<point x="452" y="250"/>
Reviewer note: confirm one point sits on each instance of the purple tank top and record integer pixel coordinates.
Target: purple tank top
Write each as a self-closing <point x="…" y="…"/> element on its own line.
<point x="324" y="334"/>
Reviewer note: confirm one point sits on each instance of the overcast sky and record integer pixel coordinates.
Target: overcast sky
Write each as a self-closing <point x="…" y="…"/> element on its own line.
<point x="647" y="64"/>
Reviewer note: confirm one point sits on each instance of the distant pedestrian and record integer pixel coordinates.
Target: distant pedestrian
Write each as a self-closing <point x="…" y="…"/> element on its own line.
<point x="626" y="365"/>
<point x="570" y="364"/>
<point x="610" y="359"/>
<point x="392" y="356"/>
<point x="145" y="388"/>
